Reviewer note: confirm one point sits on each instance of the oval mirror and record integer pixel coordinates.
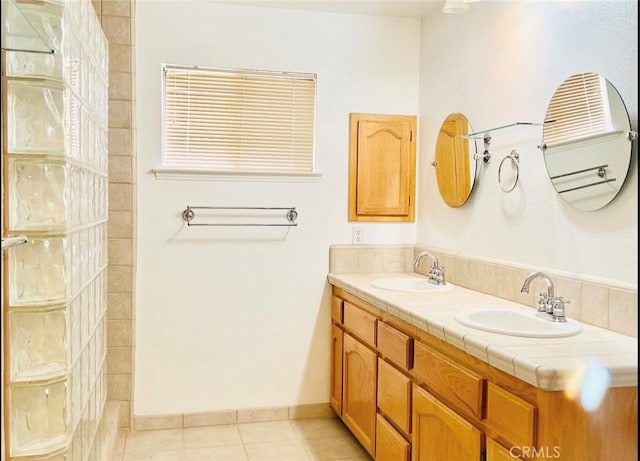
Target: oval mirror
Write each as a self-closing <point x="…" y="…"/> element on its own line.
<point x="586" y="141"/>
<point x="455" y="162"/>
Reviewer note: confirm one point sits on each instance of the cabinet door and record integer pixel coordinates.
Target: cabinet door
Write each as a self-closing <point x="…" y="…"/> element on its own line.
<point x="382" y="167"/>
<point x="359" y="391"/>
<point x="496" y="452"/>
<point x="390" y="445"/>
<point x="335" y="394"/>
<point x="439" y="434"/>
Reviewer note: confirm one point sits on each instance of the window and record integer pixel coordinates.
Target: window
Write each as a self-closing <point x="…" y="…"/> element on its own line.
<point x="238" y="121"/>
<point x="579" y="109"/>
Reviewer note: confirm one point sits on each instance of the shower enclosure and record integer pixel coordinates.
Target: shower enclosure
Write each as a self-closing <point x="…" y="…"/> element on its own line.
<point x="54" y="181"/>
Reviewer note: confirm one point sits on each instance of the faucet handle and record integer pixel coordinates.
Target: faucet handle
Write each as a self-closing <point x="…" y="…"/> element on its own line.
<point x="543" y="301"/>
<point x="558" y="309"/>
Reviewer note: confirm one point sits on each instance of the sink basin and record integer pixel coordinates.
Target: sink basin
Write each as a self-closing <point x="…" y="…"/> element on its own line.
<point x="410" y="284"/>
<point x="517" y="323"/>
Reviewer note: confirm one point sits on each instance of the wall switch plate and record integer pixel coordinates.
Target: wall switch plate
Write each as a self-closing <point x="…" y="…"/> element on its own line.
<point x="357" y="235"/>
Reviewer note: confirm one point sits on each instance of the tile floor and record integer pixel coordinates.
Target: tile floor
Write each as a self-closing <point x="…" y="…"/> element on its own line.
<point x="288" y="440"/>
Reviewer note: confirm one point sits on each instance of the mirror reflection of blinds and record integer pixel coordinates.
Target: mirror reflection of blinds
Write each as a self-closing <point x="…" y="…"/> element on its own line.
<point x="578" y="109"/>
<point x="238" y="121"/>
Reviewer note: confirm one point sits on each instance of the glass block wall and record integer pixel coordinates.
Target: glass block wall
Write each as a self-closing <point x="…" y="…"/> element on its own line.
<point x="55" y="192"/>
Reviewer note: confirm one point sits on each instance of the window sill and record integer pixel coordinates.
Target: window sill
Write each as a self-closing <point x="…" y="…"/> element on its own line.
<point x="202" y="175"/>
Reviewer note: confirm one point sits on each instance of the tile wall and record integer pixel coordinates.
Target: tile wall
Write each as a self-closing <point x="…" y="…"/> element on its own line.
<point x="117" y="19"/>
<point x="603" y="303"/>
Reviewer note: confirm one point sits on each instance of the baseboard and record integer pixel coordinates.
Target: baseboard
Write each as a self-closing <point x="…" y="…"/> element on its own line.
<point x="247" y="415"/>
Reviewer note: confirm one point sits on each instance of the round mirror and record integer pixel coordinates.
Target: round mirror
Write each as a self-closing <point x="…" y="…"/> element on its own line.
<point x="455" y="162"/>
<point x="586" y="141"/>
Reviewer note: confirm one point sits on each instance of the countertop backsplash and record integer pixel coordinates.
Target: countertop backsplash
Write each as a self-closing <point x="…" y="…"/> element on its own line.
<point x="596" y="302"/>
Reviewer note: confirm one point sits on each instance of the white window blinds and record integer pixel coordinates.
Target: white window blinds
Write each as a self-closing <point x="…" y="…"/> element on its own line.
<point x="578" y="109"/>
<point x="238" y="121"/>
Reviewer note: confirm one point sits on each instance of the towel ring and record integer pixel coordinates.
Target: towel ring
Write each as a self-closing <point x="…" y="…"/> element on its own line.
<point x="515" y="160"/>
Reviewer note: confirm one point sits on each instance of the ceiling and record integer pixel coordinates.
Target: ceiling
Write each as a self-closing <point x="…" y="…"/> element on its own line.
<point x="398" y="8"/>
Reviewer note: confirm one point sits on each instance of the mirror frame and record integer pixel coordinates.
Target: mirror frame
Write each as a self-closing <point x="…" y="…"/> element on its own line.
<point x="456" y="164"/>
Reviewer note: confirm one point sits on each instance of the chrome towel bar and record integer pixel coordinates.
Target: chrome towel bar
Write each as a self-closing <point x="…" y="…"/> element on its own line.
<point x="189" y="215"/>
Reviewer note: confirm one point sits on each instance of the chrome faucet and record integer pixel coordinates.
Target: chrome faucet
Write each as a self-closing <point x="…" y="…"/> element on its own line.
<point x="550" y="306"/>
<point x="436" y="273"/>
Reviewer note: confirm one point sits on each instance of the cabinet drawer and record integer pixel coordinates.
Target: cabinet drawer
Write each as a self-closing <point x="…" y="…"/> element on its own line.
<point x="336" y="309"/>
<point x="394" y="396"/>
<point x="460" y="387"/>
<point x="496" y="452"/>
<point x="510" y="416"/>
<point x="395" y="345"/>
<point x="390" y="445"/>
<point x="360" y="323"/>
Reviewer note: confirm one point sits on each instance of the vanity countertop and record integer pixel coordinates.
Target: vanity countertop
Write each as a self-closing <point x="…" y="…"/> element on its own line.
<point x="548" y="363"/>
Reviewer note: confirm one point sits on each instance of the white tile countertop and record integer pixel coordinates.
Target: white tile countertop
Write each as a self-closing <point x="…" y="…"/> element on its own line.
<point x="552" y="364"/>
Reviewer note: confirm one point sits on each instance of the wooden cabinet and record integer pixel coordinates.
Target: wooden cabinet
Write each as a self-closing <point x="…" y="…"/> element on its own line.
<point x="390" y="445"/>
<point x="382" y="164"/>
<point x="335" y="392"/>
<point x="405" y="393"/>
<point x="359" y="370"/>
<point x="496" y="452"/>
<point x="441" y="434"/>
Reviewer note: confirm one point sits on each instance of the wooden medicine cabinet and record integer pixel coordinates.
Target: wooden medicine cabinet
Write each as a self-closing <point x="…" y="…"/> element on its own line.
<point x="382" y="165"/>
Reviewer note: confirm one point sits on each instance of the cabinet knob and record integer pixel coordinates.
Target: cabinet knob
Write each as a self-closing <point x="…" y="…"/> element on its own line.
<point x="434" y="163"/>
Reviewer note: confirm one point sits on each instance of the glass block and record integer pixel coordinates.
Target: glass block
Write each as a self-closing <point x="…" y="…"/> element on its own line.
<point x="34" y="118"/>
<point x="75" y="186"/>
<point x="72" y="125"/>
<point x="38" y="344"/>
<point x="75" y="342"/>
<point x="47" y="23"/>
<point x="40" y="271"/>
<point x="38" y="418"/>
<point x="39" y="195"/>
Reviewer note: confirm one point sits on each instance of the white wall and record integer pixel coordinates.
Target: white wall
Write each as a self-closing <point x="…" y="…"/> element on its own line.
<point x="500" y="63"/>
<point x="232" y="324"/>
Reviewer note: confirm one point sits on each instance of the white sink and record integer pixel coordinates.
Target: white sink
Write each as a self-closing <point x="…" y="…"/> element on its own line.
<point x="517" y="322"/>
<point x="410" y="284"/>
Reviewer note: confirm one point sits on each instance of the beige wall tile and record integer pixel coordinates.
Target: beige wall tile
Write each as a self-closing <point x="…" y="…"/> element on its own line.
<point x="119" y="85"/>
<point x="119" y="142"/>
<point x="119" y="360"/>
<point x="116" y="8"/>
<point x="118" y="334"/>
<point x="393" y="259"/>
<point x="119" y="279"/>
<point x="120" y="169"/>
<point x="120" y="252"/>
<point x="119" y="114"/>
<point x="154" y="423"/>
<point x="251" y="415"/>
<point x="314" y="410"/>
<point x="623" y="311"/>
<point x="595" y="304"/>
<point x="570" y="290"/>
<point x="124" y="419"/>
<point x="343" y="260"/>
<point x="120" y="197"/>
<point x="211" y="419"/>
<point x="120" y="225"/>
<point x="119" y="306"/>
<point x="117" y="29"/>
<point x="119" y="387"/>
<point x="369" y="259"/>
<point x="120" y="57"/>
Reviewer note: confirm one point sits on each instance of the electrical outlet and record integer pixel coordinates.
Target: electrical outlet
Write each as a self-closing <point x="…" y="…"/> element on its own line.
<point x="357" y="236"/>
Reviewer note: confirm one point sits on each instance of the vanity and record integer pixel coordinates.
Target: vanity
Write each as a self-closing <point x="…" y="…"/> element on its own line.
<point x="413" y="383"/>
